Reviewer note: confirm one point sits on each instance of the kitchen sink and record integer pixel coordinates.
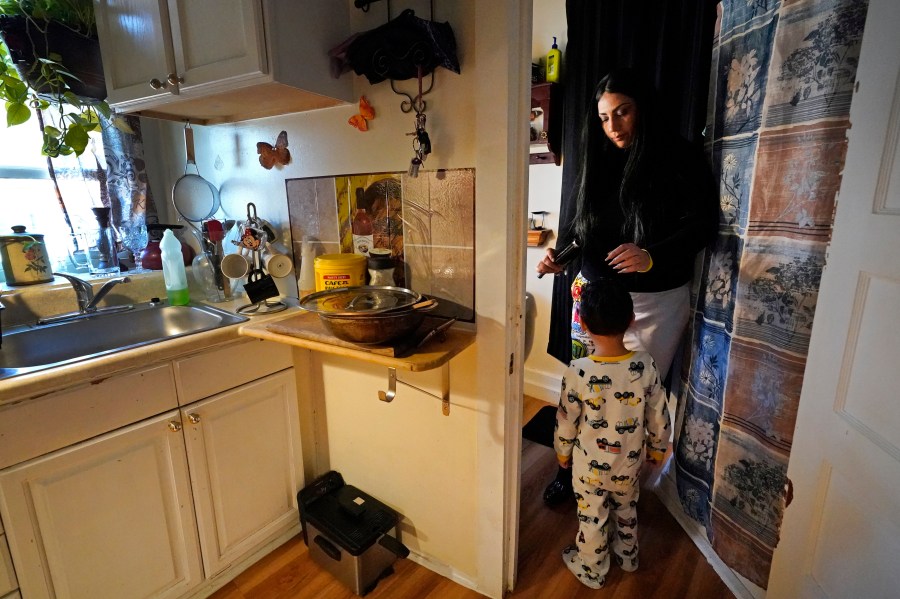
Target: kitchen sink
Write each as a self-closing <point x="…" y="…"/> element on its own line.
<point x="31" y="348"/>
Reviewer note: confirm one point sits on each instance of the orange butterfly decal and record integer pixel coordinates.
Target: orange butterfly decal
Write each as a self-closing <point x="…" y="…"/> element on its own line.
<point x="269" y="156"/>
<point x="366" y="114"/>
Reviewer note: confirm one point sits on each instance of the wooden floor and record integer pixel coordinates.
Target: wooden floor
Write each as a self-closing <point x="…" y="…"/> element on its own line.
<point x="671" y="565"/>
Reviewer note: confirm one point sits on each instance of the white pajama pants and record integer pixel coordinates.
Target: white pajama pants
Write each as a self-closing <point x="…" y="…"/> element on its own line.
<point x="606" y="519"/>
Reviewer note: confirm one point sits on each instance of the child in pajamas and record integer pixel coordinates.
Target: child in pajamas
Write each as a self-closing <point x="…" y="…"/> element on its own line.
<point x="612" y="411"/>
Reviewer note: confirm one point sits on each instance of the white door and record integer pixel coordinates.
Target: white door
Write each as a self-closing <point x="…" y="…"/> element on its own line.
<point x="841" y="534"/>
<point x="246" y="467"/>
<point x="110" y="517"/>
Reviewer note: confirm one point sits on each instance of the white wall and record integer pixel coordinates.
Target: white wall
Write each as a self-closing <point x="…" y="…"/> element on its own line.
<point x="543" y="372"/>
<point x="445" y="475"/>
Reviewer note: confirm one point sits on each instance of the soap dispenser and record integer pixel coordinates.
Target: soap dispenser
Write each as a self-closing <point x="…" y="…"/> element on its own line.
<point x="554" y="57"/>
<point x="174" y="272"/>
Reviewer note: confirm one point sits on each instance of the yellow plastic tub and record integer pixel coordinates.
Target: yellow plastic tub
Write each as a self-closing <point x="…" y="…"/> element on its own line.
<point x="340" y="270"/>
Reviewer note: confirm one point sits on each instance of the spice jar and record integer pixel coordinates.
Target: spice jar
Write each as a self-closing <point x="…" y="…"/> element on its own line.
<point x="25" y="259"/>
<point x="381" y="267"/>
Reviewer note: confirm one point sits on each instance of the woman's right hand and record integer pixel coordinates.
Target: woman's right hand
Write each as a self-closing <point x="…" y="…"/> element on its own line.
<point x="548" y="265"/>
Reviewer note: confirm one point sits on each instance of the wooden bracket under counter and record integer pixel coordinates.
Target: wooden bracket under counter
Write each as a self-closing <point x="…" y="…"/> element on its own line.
<point x="307" y="331"/>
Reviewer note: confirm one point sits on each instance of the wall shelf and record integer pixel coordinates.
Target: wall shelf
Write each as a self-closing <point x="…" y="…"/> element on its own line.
<point x="546" y="123"/>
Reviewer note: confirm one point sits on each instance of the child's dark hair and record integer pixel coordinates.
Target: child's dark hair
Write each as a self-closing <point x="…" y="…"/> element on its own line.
<point x="606" y="307"/>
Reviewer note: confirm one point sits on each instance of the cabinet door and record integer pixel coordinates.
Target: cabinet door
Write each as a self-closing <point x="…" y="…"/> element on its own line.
<point x="246" y="469"/>
<point x="110" y="517"/>
<point x="217" y="41"/>
<point x="136" y="45"/>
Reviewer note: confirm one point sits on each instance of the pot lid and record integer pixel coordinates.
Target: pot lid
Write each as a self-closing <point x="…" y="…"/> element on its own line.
<point x="368" y="299"/>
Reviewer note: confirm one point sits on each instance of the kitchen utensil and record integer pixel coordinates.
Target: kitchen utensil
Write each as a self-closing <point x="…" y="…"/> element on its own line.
<point x="235" y="266"/>
<point x="438" y="330"/>
<point x="195" y="198"/>
<point x="356" y="301"/>
<point x="276" y="264"/>
<point x="369" y="315"/>
<point x="375" y="329"/>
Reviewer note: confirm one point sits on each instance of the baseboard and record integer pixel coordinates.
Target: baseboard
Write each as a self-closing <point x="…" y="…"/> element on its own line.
<point x="742" y="588"/>
<point x="542" y="386"/>
<point x="444" y="570"/>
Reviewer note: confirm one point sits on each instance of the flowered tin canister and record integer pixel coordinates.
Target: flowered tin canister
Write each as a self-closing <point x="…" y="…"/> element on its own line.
<point x="25" y="259"/>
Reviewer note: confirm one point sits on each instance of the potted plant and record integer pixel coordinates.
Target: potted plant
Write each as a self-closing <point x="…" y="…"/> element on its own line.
<point x="50" y="63"/>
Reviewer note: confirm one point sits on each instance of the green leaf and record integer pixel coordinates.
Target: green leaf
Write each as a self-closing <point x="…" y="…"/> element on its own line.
<point x="122" y="125"/>
<point x="77" y="138"/>
<point x="103" y="108"/>
<point x="16" y="113"/>
<point x="72" y="99"/>
<point x="50" y="131"/>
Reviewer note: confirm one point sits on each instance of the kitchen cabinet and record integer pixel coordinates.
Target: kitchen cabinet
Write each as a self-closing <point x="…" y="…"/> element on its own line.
<point x="170" y="505"/>
<point x="214" y="61"/>
<point x="111" y="517"/>
<point x="243" y="448"/>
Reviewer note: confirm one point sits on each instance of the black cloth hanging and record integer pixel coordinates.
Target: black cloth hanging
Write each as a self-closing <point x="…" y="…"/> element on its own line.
<point x="398" y="48"/>
<point x="670" y="42"/>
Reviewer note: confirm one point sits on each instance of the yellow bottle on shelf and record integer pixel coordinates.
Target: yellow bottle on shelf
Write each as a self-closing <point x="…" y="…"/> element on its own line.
<point x="554" y="57"/>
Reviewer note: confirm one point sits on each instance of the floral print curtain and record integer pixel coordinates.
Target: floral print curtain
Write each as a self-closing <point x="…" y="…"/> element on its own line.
<point x="126" y="172"/>
<point x="781" y="87"/>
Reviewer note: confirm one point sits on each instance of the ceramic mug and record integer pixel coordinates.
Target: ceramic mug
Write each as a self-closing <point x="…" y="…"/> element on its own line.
<point x="276" y="264"/>
<point x="235" y="266"/>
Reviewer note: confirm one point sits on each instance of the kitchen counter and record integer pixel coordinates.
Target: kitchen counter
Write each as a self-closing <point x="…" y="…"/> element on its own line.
<point x="28" y="386"/>
<point x="305" y="329"/>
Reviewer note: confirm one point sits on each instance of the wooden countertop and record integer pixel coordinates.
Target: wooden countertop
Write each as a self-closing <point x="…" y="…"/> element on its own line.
<point x="306" y="330"/>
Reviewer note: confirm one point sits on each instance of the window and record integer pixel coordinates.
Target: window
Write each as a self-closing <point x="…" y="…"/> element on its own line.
<point x="28" y="196"/>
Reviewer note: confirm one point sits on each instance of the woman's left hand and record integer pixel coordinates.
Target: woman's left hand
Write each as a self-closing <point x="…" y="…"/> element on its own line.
<point x="629" y="258"/>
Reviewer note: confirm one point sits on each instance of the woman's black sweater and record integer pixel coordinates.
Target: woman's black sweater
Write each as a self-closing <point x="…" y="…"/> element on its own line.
<point x="680" y="216"/>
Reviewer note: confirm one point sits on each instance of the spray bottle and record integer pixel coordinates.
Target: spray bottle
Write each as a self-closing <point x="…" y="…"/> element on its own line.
<point x="174" y="273"/>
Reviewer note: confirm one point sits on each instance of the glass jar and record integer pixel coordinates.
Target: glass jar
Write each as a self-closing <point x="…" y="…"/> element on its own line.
<point x="381" y="267"/>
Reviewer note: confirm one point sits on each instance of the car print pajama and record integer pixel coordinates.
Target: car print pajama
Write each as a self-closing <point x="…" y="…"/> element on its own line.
<point x="611" y="411"/>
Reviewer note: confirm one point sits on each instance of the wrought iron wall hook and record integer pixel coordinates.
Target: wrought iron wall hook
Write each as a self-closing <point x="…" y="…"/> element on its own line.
<point x="416" y="103"/>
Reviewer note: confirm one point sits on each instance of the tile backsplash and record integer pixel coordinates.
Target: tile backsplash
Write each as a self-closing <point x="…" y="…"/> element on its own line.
<point x="428" y="223"/>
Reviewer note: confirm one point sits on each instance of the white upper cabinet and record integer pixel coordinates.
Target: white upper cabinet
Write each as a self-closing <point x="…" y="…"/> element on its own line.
<point x="214" y="61"/>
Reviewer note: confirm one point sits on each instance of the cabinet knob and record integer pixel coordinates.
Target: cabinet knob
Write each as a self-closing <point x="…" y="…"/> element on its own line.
<point x="157" y="84"/>
<point x="174" y="426"/>
<point x="194" y="418"/>
<point x="174" y="79"/>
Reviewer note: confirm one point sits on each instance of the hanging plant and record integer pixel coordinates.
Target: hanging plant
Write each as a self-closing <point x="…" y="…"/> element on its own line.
<point x="44" y="44"/>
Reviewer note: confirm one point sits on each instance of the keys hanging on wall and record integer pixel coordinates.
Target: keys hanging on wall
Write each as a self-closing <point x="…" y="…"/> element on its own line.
<point x="421" y="145"/>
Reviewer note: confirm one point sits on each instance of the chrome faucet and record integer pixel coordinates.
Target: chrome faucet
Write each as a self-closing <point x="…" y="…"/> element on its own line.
<point x="87" y="299"/>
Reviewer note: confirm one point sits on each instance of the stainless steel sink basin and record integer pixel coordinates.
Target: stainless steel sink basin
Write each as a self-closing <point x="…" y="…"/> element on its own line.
<point x="31" y="348"/>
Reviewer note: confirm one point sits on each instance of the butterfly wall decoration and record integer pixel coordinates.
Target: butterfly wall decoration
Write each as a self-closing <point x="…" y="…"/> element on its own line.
<point x="366" y="114"/>
<point x="270" y="155"/>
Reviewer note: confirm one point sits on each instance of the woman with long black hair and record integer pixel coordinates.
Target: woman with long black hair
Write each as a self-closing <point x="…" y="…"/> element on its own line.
<point x="646" y="204"/>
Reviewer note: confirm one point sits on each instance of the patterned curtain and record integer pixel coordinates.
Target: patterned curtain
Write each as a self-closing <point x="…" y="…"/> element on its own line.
<point x="783" y="75"/>
<point x="126" y="172"/>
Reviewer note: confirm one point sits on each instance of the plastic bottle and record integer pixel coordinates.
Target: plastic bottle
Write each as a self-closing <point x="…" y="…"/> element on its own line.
<point x="554" y="56"/>
<point x="174" y="272"/>
<point x="306" y="282"/>
<point x="363" y="238"/>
